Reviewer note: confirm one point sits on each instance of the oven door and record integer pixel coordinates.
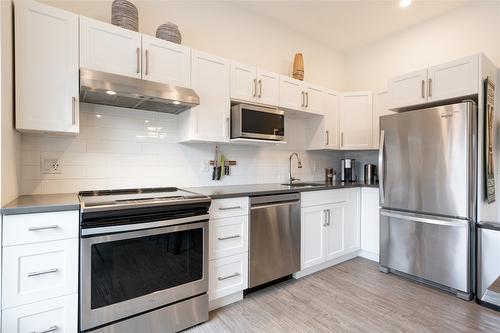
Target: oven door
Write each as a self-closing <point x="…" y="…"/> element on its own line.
<point x="256" y="122"/>
<point x="124" y="274"/>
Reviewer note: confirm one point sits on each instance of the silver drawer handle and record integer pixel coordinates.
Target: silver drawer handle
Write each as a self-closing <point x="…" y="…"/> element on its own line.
<point x="45" y="227"/>
<point x="229" y="237"/>
<point x="229" y="208"/>
<point x="228" y="277"/>
<point x="48" y="271"/>
<point x="50" y="329"/>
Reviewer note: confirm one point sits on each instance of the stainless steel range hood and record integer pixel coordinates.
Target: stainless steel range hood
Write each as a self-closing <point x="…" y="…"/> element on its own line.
<point x="117" y="90"/>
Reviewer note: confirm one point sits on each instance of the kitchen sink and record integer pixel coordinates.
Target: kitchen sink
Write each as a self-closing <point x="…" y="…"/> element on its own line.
<point x="302" y="184"/>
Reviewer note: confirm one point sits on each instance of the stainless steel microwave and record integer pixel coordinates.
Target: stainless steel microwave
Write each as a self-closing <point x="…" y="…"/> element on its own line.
<point x="257" y="122"/>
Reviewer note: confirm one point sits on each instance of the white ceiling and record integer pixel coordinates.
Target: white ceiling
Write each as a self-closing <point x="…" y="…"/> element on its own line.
<point x="347" y="25"/>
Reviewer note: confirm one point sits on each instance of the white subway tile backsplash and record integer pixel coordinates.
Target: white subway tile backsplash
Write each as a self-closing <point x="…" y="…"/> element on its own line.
<point x="123" y="148"/>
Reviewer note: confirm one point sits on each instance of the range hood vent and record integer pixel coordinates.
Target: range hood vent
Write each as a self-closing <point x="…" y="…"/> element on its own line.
<point x="118" y="90"/>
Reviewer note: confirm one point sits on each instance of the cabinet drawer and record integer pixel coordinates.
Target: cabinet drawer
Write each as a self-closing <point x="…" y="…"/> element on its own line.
<point x="229" y="207"/>
<point x="40" y="227"/>
<point x="316" y="198"/>
<point x="58" y="315"/>
<point x="36" y="272"/>
<point x="228" y="236"/>
<point x="227" y="275"/>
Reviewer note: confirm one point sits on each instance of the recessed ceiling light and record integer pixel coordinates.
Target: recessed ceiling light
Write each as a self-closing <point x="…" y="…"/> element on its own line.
<point x="404" y="3"/>
<point x="176" y="102"/>
<point x="98" y="115"/>
<point x="110" y="92"/>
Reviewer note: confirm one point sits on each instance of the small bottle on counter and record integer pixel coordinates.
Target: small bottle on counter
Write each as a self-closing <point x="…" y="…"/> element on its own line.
<point x="330" y="175"/>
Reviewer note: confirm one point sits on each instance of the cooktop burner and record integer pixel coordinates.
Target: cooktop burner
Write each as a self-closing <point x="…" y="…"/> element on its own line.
<point x="140" y="197"/>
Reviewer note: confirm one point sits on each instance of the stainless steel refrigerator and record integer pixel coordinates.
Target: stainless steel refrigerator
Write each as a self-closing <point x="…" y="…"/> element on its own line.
<point x="427" y="172"/>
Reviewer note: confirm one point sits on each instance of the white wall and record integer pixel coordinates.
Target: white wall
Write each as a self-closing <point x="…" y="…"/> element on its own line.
<point x="228" y="30"/>
<point x="470" y="29"/>
<point x="9" y="138"/>
<point x="120" y="148"/>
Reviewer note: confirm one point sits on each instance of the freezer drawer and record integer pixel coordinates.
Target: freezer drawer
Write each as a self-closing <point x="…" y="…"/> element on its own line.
<point x="431" y="248"/>
<point x="488" y="265"/>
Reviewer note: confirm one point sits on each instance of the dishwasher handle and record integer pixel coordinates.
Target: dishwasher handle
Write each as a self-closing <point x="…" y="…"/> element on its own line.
<point x="274" y="199"/>
<point x="275" y="204"/>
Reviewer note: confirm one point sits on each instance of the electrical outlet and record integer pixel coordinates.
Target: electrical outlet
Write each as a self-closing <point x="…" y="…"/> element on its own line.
<point x="315" y="166"/>
<point x="50" y="166"/>
<point x="204" y="166"/>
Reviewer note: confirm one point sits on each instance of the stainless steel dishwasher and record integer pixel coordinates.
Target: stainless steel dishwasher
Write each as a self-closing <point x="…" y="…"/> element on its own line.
<point x="274" y="237"/>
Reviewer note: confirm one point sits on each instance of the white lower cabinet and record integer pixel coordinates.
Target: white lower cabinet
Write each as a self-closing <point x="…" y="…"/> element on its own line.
<point x="54" y="315"/>
<point x="228" y="275"/>
<point x="370" y="223"/>
<point x="228" y="236"/>
<point x="329" y="230"/>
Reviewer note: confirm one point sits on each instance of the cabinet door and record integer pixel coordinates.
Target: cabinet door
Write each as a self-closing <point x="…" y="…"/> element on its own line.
<point x="166" y="62"/>
<point x="46" y="72"/>
<point x="334" y="238"/>
<point x="332" y="101"/>
<point x="314" y="99"/>
<point x="243" y="82"/>
<point x="268" y="84"/>
<point x="407" y="90"/>
<point x="356" y="120"/>
<point x="352" y="222"/>
<point x="210" y="77"/>
<point x="380" y="108"/>
<point x="292" y="94"/>
<point x="312" y="235"/>
<point x="227" y="275"/>
<point x="108" y="48"/>
<point x="370" y="226"/>
<point x="454" y="79"/>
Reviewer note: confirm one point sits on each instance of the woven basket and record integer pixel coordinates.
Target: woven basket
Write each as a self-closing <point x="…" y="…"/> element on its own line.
<point x="169" y="32"/>
<point x="124" y="14"/>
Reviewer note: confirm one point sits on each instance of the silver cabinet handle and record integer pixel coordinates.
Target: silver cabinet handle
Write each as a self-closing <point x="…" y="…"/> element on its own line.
<point x="260" y="88"/>
<point x="381" y="167"/>
<point x="430" y="87"/>
<point x="329" y="216"/>
<point x="327" y="137"/>
<point x="423" y="89"/>
<point x="228" y="237"/>
<point x="138" y="54"/>
<point x="48" y="271"/>
<point x="147" y="62"/>
<point x="228" y="277"/>
<point x="254" y="87"/>
<point x="324" y="216"/>
<point x="303" y="99"/>
<point x="230" y="208"/>
<point x="307" y="99"/>
<point x="45" y="227"/>
<point x="342" y="139"/>
<point x="73" y="110"/>
<point x="47" y="330"/>
<point x="228" y="127"/>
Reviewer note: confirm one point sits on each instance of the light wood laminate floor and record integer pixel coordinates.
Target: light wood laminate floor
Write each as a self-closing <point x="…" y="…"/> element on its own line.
<point x="351" y="297"/>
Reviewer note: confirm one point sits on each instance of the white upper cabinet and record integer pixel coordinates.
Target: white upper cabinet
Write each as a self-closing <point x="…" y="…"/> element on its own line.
<point x="356" y="120"/>
<point x="250" y="84"/>
<point x="323" y="132"/>
<point x="46" y="72"/>
<point x="453" y="79"/>
<point x="380" y="108"/>
<point x="292" y="94"/>
<point x="300" y="96"/>
<point x="108" y="48"/>
<point x="409" y="89"/>
<point x="209" y="121"/>
<point x="243" y="82"/>
<point x="165" y="62"/>
<point x="268" y="84"/>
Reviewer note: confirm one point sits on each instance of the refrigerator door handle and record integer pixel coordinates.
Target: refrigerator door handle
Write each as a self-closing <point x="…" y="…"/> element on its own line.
<point x="381" y="167"/>
<point x="441" y="221"/>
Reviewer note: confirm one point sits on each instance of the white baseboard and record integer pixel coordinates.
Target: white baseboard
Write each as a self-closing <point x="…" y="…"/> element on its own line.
<point x="326" y="264"/>
<point x="369" y="255"/>
<point x="226" y="300"/>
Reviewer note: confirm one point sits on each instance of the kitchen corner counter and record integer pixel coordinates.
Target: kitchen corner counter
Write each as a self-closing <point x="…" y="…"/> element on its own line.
<point x="232" y="191"/>
<point x="42" y="203"/>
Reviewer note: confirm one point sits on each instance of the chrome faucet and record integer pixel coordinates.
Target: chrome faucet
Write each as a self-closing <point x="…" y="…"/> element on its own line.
<point x="291" y="179"/>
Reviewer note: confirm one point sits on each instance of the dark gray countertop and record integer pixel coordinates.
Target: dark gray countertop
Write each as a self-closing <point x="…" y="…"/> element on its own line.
<point x="232" y="191"/>
<point x="42" y="203"/>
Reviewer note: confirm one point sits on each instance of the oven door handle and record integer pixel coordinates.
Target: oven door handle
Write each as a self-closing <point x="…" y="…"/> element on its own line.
<point x="142" y="226"/>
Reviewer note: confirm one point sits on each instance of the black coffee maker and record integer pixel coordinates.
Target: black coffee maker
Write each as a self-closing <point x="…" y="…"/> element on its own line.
<point x="348" y="170"/>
